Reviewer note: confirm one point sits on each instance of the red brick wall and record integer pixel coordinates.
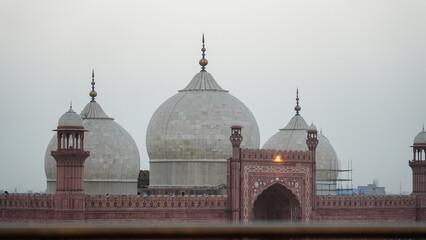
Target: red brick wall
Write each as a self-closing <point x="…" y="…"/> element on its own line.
<point x="40" y="207"/>
<point x="365" y="208"/>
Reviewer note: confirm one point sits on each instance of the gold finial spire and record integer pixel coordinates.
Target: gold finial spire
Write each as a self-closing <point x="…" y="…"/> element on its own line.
<point x="203" y="62"/>
<point x="93" y="93"/>
<point x="297" y="107"/>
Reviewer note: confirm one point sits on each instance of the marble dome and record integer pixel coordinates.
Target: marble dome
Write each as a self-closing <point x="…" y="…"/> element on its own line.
<point x="114" y="163"/>
<point x="293" y="137"/>
<point x="420" y="137"/>
<point x="312" y="127"/>
<point x="70" y="119"/>
<point x="187" y="138"/>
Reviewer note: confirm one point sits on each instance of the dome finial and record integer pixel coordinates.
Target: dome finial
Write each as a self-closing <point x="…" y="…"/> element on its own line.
<point x="71" y="104"/>
<point x="203" y="62"/>
<point x="297" y="107"/>
<point x="93" y="93"/>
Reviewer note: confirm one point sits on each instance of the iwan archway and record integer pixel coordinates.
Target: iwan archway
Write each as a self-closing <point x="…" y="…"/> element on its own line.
<point x="277" y="203"/>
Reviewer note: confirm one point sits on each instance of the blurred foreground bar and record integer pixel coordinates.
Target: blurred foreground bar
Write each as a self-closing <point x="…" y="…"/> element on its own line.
<point x="144" y="231"/>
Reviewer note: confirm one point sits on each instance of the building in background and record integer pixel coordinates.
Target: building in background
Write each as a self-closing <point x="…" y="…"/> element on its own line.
<point x="371" y="189"/>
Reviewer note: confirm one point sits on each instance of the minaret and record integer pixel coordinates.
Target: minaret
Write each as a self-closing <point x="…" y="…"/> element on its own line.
<point x="418" y="163"/>
<point x="70" y="157"/>
<point x="312" y="142"/>
<point x="236" y="139"/>
<point x="234" y="174"/>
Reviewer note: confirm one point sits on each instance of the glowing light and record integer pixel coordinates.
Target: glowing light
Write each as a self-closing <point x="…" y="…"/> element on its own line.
<point x="278" y="159"/>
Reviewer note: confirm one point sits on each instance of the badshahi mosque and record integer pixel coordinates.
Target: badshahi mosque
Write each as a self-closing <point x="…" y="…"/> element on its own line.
<point x="206" y="164"/>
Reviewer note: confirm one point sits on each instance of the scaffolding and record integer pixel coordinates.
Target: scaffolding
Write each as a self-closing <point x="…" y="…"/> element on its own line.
<point x="331" y="186"/>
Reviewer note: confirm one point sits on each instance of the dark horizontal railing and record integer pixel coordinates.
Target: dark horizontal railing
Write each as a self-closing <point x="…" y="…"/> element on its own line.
<point x="9" y="231"/>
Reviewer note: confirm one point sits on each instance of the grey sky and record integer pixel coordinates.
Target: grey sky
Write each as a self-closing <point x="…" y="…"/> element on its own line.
<point x="360" y="67"/>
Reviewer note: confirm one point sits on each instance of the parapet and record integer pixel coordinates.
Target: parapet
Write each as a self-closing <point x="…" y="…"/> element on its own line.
<point x="156" y="201"/>
<point x="348" y="201"/>
<point x="27" y="201"/>
<point x="269" y="155"/>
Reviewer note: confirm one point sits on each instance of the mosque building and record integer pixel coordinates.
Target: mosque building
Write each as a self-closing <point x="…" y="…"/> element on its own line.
<point x="205" y="166"/>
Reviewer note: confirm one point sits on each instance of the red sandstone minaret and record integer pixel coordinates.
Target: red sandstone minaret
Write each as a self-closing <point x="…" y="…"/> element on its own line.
<point x="312" y="142"/>
<point x="235" y="173"/>
<point x="418" y="164"/>
<point x="70" y="157"/>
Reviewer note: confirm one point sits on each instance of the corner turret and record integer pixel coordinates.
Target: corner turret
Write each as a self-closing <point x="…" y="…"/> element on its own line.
<point x="70" y="157"/>
<point x="418" y="163"/>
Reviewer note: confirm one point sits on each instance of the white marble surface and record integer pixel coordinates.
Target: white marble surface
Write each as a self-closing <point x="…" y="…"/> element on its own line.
<point x="70" y="119"/>
<point x="188" y="135"/>
<point x="420" y="137"/>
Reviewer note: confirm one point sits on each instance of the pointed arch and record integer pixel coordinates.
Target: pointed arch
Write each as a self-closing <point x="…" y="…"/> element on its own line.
<point x="277" y="203"/>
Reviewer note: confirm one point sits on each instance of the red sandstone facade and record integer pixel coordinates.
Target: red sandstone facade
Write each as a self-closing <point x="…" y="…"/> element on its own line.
<point x="260" y="187"/>
<point x="252" y="171"/>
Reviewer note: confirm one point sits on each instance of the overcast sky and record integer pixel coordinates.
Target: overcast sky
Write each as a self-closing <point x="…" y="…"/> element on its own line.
<point x="360" y="67"/>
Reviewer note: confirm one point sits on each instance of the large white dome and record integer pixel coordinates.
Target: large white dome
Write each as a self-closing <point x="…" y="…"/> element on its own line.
<point x="293" y="137"/>
<point x="113" y="164"/>
<point x="188" y="135"/>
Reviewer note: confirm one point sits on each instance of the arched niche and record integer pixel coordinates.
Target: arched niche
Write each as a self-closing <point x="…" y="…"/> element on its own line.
<point x="277" y="203"/>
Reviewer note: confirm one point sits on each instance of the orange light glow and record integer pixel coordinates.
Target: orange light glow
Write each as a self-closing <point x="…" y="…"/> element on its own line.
<point x="278" y="159"/>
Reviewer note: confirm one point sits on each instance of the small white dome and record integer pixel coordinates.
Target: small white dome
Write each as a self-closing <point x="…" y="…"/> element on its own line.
<point x="70" y="119"/>
<point x="293" y="137"/>
<point x="420" y="137"/>
<point x="187" y="137"/>
<point x="312" y="127"/>
<point x="114" y="163"/>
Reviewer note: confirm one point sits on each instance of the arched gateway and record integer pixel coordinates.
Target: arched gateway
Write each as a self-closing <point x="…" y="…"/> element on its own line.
<point x="277" y="203"/>
<point x="271" y="184"/>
